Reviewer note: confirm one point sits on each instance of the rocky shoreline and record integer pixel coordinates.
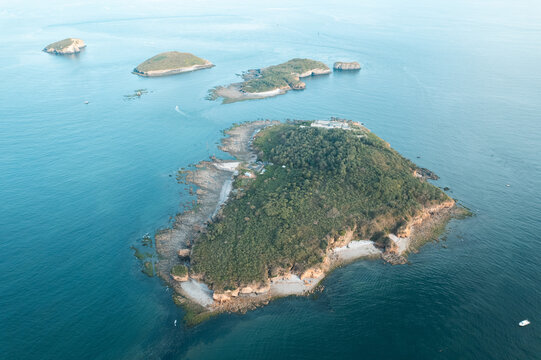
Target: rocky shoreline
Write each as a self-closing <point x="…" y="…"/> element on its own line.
<point x="213" y="181"/>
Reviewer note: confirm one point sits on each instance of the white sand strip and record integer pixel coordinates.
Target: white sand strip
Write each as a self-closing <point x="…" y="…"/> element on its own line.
<point x="197" y="292"/>
<point x="227" y="166"/>
<point x="355" y="250"/>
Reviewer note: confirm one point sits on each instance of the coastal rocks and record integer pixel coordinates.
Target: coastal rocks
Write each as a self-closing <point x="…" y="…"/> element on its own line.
<point x="65" y="47"/>
<point x="405" y="231"/>
<point x="395" y="249"/>
<point x="398" y="245"/>
<point x="344" y="239"/>
<point x="312" y="273"/>
<point x="341" y="65"/>
<point x="314" y="72"/>
<point x="226" y="296"/>
<point x="220" y="298"/>
<point x="184" y="253"/>
<point x="246" y="290"/>
<point x="254" y="289"/>
<point x="394" y="259"/>
<point x="425" y="174"/>
<point x="263" y="289"/>
<point x="180" y="278"/>
<point x="299" y="86"/>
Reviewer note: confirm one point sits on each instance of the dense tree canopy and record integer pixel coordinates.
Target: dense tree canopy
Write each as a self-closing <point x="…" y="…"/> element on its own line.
<point x="319" y="182"/>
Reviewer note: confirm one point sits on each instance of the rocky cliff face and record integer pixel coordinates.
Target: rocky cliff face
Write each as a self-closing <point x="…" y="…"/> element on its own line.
<point x="340" y="65"/>
<point x="65" y="47"/>
<point x="405" y="231"/>
<point x="316" y="71"/>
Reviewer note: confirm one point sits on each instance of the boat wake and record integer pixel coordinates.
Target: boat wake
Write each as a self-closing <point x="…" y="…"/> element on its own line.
<point x="177" y="109"/>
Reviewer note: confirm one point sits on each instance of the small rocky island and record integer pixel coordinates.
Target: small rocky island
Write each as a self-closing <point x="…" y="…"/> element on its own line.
<point x="270" y="81"/>
<point x="346" y="66"/>
<point x="65" y="47"/>
<point x="171" y="63"/>
<point x="299" y="199"/>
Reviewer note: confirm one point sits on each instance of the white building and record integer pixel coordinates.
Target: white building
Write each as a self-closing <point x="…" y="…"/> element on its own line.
<point x="330" y="124"/>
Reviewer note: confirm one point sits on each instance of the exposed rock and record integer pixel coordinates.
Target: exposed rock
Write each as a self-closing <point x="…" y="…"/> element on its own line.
<point x="316" y="71"/>
<point x="246" y="290"/>
<point x="299" y="86"/>
<point x="405" y="231"/>
<point x="340" y="65"/>
<point x="220" y="297"/>
<point x="263" y="289"/>
<point x="65" y="47"/>
<point x="425" y="174"/>
<point x="394" y="259"/>
<point x="184" y="253"/>
<point x="312" y="273"/>
<point x="180" y="278"/>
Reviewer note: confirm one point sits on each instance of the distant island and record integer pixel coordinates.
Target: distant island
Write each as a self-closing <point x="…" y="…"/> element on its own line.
<point x="270" y="81"/>
<point x="341" y="65"/>
<point x="299" y="199"/>
<point x="65" y="47"/>
<point x="171" y="63"/>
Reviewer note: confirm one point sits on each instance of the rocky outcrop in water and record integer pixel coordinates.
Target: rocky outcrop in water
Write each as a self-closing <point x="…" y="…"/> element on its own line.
<point x="340" y="65"/>
<point x="425" y="174"/>
<point x="65" y="47"/>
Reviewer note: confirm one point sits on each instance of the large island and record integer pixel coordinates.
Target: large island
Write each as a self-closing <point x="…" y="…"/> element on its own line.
<point x="270" y="81"/>
<point x="299" y="199"/>
<point x="170" y="63"/>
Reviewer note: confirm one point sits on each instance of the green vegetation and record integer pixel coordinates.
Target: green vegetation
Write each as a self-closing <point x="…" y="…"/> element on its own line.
<point x="320" y="183"/>
<point x="169" y="60"/>
<point x="179" y="270"/>
<point x="148" y="268"/>
<point x="59" y="45"/>
<point x="193" y="313"/>
<point x="141" y="255"/>
<point x="279" y="76"/>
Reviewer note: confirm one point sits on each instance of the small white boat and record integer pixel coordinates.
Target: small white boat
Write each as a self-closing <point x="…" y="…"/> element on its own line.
<point x="524" y="323"/>
<point x="175" y="323"/>
<point x="86" y="101"/>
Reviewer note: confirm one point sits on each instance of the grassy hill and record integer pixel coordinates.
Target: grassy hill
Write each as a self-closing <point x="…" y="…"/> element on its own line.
<point x="59" y="45"/>
<point x="169" y="60"/>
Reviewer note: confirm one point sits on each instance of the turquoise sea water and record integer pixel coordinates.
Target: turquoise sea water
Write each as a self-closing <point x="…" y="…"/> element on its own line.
<point x="455" y="83"/>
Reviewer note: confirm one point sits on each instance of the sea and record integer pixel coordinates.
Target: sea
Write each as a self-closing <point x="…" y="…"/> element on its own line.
<point x="453" y="85"/>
